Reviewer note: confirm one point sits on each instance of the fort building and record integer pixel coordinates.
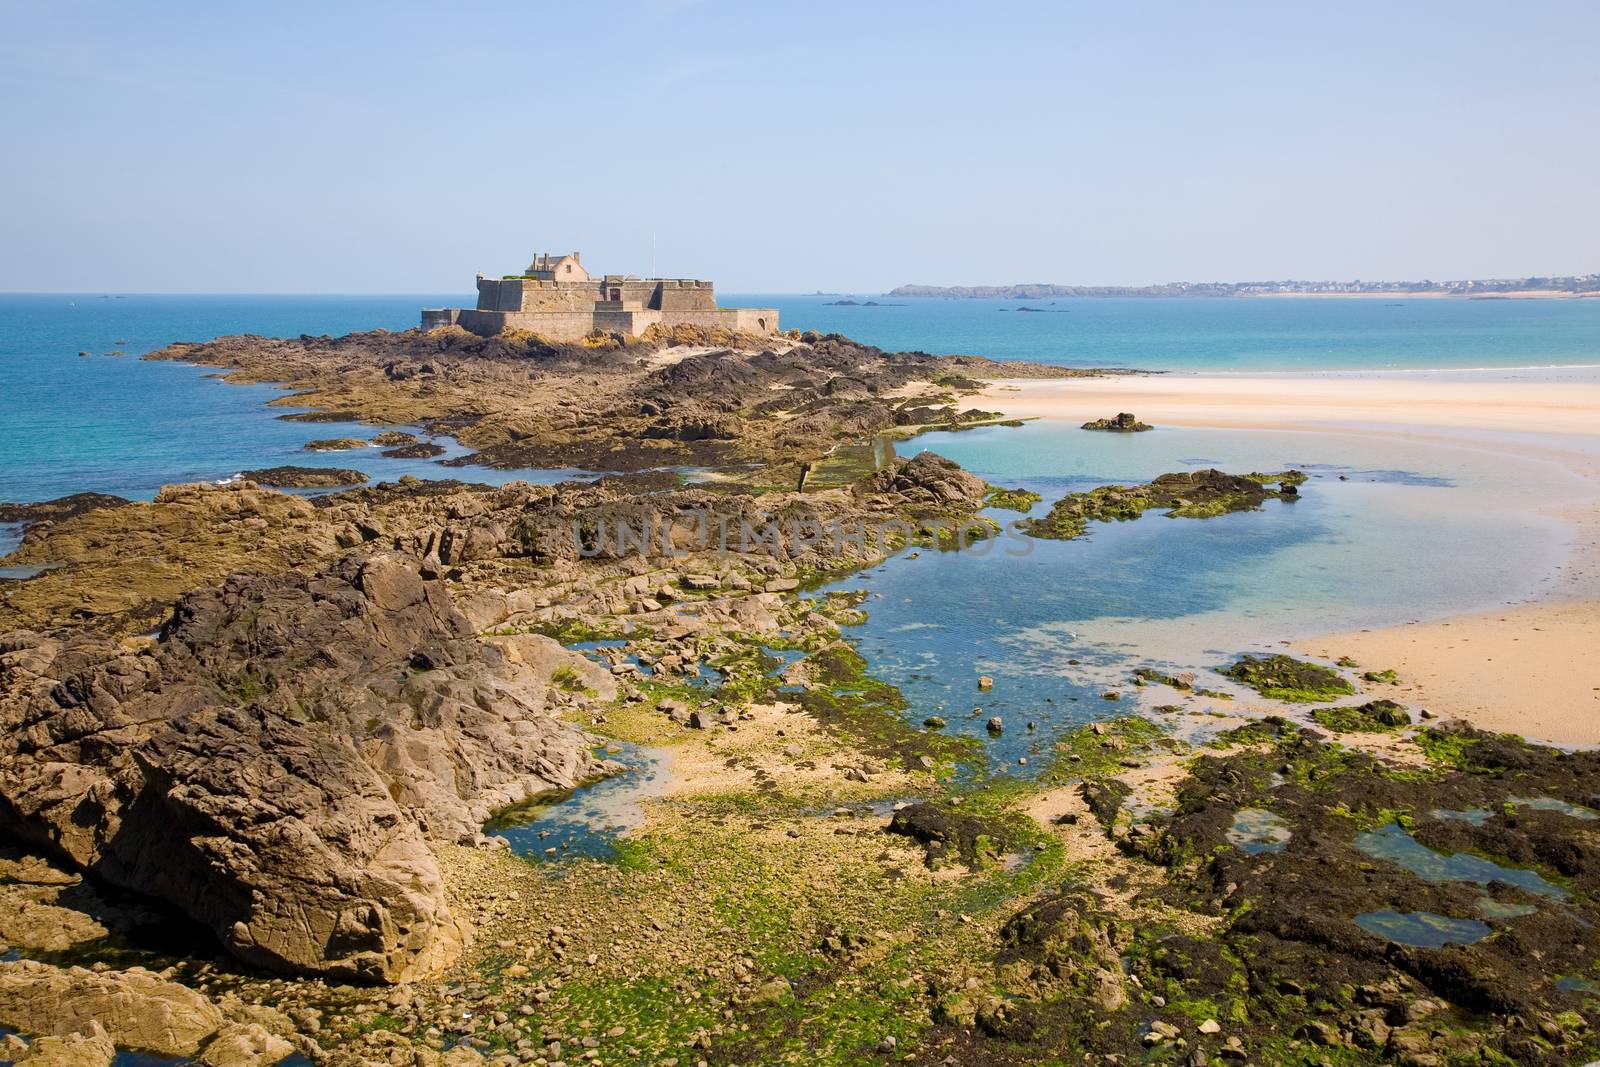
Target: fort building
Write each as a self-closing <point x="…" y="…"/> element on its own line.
<point x="556" y="297"/>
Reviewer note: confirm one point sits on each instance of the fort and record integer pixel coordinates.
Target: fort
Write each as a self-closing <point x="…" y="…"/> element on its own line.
<point x="557" y="298"/>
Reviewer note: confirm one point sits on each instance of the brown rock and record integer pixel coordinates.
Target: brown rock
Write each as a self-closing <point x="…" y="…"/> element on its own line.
<point x="91" y="1047"/>
<point x="245" y="1045"/>
<point x="365" y="720"/>
<point x="137" y="1009"/>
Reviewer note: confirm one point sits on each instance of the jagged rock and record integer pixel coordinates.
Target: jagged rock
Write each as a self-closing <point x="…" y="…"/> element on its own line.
<point x="1124" y="422"/>
<point x="390" y="438"/>
<point x="927" y="479"/>
<point x="307" y="735"/>
<point x="136" y="1008"/>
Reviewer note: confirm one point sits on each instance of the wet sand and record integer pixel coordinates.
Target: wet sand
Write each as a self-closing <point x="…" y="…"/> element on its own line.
<point x="1531" y="669"/>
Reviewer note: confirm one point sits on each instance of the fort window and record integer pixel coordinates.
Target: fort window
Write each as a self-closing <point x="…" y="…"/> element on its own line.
<point x="616" y="294"/>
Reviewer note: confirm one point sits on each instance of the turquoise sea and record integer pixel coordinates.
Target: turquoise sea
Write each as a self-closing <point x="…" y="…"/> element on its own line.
<point x="115" y="424"/>
<point x="1222" y="335"/>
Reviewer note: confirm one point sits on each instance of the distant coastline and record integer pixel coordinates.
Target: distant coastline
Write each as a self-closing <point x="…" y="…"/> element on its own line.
<point x="1533" y="288"/>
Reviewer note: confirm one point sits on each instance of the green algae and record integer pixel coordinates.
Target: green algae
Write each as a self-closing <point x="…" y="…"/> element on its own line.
<point x="1021" y="500"/>
<point x="1280" y="677"/>
<point x="1189" y="495"/>
<point x="1377" y="716"/>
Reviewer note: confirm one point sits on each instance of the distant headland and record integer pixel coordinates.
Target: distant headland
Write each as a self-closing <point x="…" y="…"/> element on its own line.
<point x="1570" y="286"/>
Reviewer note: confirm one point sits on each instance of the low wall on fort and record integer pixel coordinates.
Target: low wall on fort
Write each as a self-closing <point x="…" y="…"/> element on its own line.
<point x="745" y="320"/>
<point x="556" y="325"/>
<point x="575" y="325"/>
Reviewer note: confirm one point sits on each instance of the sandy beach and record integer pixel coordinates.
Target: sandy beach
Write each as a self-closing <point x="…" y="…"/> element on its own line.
<point x="1530" y="669"/>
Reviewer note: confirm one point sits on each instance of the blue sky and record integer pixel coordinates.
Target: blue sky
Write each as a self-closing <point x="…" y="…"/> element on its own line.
<point x="789" y="147"/>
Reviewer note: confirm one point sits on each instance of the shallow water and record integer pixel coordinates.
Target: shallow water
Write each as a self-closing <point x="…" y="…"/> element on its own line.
<point x="1553" y="804"/>
<point x="1568" y="983"/>
<point x="1418" y="530"/>
<point x="1475" y="816"/>
<point x="1491" y="908"/>
<point x="1397" y="846"/>
<point x="1422" y="929"/>
<point x="588" y="821"/>
<point x="1256" y="830"/>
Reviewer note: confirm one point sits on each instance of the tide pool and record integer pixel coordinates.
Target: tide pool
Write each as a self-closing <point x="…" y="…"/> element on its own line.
<point x="1383" y="532"/>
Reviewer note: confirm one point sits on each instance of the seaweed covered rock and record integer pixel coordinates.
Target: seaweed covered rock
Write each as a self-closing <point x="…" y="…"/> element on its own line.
<point x="1280" y="677"/>
<point x="1354" y="901"/>
<point x="1187" y="494"/>
<point x="414" y="450"/>
<point x="947" y="834"/>
<point x="1123" y="422"/>
<point x="1375" y="716"/>
<point x="291" y="477"/>
<point x="1065" y="943"/>
<point x="926" y="480"/>
<point x="63" y="507"/>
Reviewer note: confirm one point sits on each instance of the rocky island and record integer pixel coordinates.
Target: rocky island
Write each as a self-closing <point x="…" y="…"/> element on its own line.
<point x="264" y="755"/>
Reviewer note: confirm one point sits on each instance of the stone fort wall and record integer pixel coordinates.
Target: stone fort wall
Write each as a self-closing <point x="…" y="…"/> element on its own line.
<point x="569" y="311"/>
<point x="528" y="294"/>
<point x="575" y="325"/>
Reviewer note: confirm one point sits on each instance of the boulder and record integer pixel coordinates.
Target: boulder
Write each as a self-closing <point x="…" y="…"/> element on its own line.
<point x="245" y="1045"/>
<point x="136" y="1009"/>
<point x="1124" y="422"/>
<point x="927" y="479"/>
<point x="276" y="766"/>
<point x="91" y="1047"/>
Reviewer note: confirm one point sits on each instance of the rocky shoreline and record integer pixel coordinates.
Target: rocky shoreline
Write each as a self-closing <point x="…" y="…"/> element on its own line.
<point x="270" y="729"/>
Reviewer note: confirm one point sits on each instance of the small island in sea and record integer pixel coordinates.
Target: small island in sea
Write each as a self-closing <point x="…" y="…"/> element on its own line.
<point x="644" y="761"/>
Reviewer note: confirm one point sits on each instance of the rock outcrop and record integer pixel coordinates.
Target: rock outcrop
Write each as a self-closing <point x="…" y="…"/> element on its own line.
<point x="245" y="1045"/>
<point x="291" y="477"/>
<point x="1197" y="494"/>
<point x="135" y="1008"/>
<point x="276" y="765"/>
<point x="1123" y="422"/>
<point x="927" y="480"/>
<point x="89" y="1048"/>
<point x="59" y="509"/>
